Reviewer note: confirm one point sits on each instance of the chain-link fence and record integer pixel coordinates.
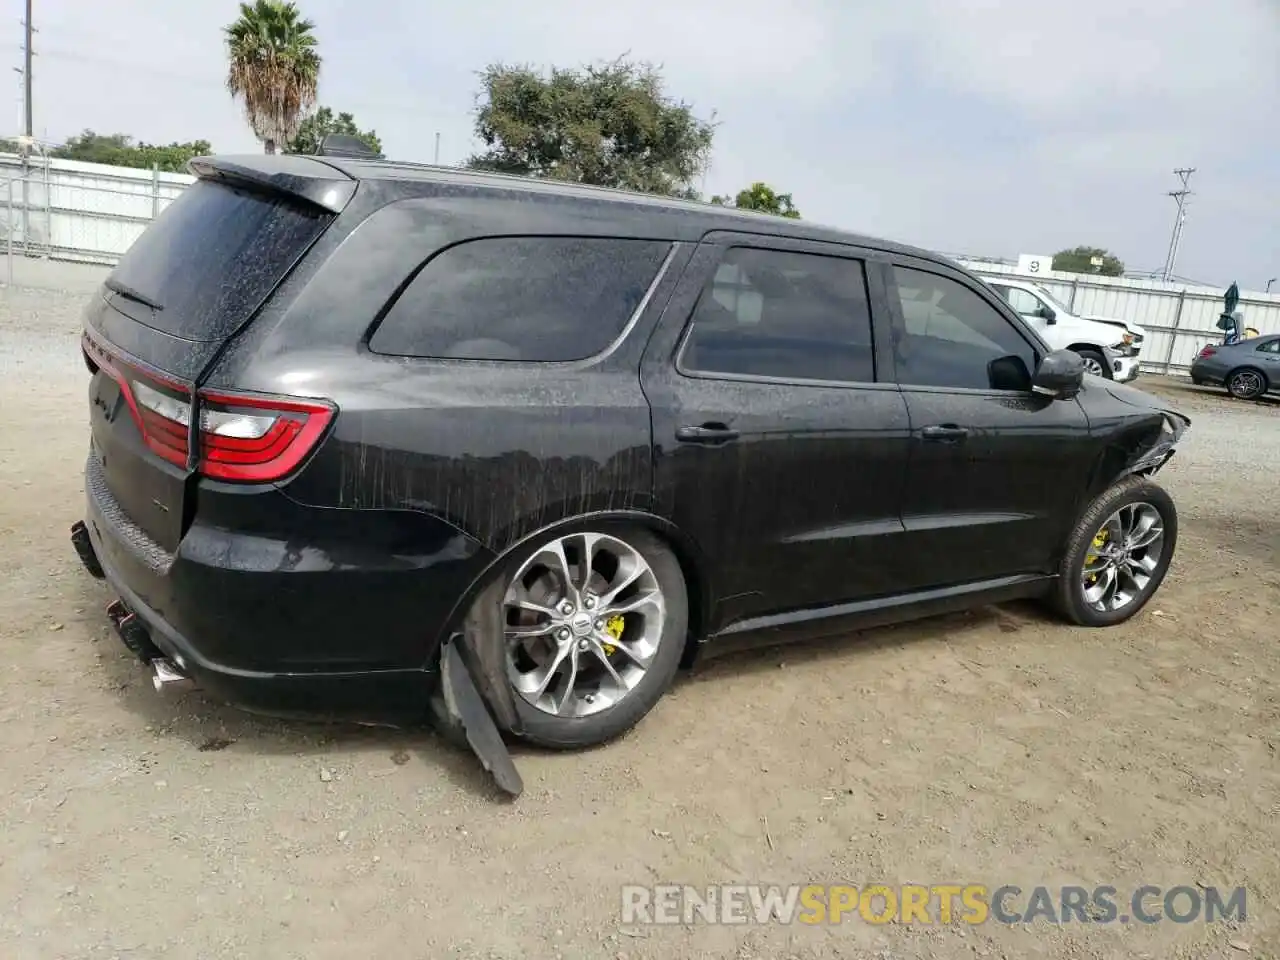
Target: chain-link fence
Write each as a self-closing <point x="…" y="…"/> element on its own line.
<point x="68" y="210"/>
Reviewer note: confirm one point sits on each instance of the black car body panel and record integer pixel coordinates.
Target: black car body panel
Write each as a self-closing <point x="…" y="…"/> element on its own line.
<point x="811" y="505"/>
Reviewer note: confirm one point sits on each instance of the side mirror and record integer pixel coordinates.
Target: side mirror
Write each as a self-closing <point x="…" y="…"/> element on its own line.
<point x="1060" y="375"/>
<point x="1048" y="315"/>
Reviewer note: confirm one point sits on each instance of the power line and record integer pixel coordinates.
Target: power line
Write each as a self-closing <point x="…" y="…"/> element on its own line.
<point x="1183" y="174"/>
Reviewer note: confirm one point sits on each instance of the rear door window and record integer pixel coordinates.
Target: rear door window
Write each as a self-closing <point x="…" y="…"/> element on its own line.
<point x="1024" y="303"/>
<point x="785" y="315"/>
<point x="540" y="299"/>
<point x="210" y="259"/>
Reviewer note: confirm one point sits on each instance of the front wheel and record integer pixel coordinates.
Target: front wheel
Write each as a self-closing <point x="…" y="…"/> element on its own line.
<point x="1118" y="554"/>
<point x="1095" y="363"/>
<point x="595" y="625"/>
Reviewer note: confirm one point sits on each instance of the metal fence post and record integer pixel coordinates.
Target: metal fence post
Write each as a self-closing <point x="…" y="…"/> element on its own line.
<point x="155" y="190"/>
<point x="10" y="233"/>
<point x="48" y="207"/>
<point x="1173" y="334"/>
<point x="1071" y="303"/>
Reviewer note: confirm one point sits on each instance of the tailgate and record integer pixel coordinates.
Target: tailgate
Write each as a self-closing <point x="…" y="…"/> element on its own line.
<point x="189" y="283"/>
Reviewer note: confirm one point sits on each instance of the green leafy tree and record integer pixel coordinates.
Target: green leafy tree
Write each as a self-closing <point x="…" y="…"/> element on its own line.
<point x="1080" y="260"/>
<point x="322" y="123"/>
<point x="610" y="125"/>
<point x="120" y="150"/>
<point x="760" y="196"/>
<point x="273" y="68"/>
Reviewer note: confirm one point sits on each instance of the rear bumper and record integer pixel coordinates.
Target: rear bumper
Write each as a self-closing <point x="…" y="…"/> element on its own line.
<point x="332" y="639"/>
<point x="1201" y="374"/>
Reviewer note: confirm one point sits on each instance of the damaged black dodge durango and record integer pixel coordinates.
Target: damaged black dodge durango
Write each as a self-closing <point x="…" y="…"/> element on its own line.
<point x="357" y="424"/>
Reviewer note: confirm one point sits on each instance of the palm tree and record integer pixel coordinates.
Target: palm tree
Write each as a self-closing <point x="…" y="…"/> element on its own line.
<point x="274" y="68"/>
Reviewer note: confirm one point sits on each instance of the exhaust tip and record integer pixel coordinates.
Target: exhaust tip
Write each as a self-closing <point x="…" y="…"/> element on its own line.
<point x="167" y="678"/>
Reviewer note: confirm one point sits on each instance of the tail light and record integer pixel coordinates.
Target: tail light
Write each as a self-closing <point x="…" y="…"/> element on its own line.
<point x="257" y="438"/>
<point x="1208" y="351"/>
<point x="249" y="438"/>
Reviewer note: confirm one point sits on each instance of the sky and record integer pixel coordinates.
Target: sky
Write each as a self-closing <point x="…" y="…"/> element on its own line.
<point x="973" y="127"/>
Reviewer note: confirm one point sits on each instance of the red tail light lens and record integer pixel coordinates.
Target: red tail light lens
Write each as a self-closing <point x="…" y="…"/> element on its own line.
<point x="257" y="439"/>
<point x="1208" y="351"/>
<point x="163" y="413"/>
<point x="248" y="438"/>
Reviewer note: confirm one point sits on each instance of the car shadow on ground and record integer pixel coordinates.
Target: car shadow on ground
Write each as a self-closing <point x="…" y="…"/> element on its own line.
<point x="954" y="629"/>
<point x="207" y="725"/>
<point x="1172" y="387"/>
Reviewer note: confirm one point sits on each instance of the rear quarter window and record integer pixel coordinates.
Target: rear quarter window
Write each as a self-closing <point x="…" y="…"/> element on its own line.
<point x="540" y="299"/>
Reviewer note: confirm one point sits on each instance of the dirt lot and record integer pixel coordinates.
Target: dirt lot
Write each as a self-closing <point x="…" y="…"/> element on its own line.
<point x="998" y="747"/>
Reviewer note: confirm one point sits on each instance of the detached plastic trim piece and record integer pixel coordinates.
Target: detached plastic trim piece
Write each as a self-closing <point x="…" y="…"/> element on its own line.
<point x="467" y="708"/>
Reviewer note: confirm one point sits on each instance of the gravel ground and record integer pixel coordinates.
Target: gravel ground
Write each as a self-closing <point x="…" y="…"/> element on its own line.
<point x="995" y="747"/>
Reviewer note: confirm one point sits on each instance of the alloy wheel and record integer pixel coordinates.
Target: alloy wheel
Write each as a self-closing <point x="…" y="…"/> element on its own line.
<point x="1123" y="557"/>
<point x="583" y="618"/>
<point x="1246" y="384"/>
<point x="1092" y="365"/>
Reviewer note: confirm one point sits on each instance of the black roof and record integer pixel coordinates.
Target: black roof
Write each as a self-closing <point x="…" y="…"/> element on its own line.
<point x="284" y="170"/>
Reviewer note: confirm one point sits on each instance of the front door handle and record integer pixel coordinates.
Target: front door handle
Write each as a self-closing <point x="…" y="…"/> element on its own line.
<point x="944" y="433"/>
<point x="706" y="433"/>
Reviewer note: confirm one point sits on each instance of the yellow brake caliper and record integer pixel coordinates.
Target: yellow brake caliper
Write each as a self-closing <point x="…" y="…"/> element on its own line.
<point x="1099" y="542"/>
<point x="614" y="627"/>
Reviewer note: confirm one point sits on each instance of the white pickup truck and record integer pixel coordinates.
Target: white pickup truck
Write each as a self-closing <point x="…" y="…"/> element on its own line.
<point x="1110" y="348"/>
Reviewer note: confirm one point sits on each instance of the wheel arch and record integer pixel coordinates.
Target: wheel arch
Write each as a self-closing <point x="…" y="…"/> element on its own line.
<point x="1091" y="347"/>
<point x="1117" y="459"/>
<point x="693" y="565"/>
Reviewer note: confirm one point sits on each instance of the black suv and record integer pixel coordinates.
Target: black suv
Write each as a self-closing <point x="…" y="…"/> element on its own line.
<point x="349" y="415"/>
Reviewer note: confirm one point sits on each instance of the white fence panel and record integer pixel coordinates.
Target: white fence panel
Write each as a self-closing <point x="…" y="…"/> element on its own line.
<point x="81" y="211"/>
<point x="1179" y="318"/>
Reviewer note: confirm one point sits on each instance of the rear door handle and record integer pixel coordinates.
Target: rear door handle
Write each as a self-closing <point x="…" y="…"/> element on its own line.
<point x="944" y="433"/>
<point x="706" y="433"/>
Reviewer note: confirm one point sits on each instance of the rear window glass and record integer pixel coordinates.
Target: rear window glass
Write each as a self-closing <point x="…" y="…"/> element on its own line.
<point x="521" y="298"/>
<point x="209" y="259"/>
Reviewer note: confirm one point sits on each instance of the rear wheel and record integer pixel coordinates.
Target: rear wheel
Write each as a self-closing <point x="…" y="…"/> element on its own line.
<point x="1095" y="363"/>
<point x="1118" y="554"/>
<point x="1246" y="384"/>
<point x="595" y="624"/>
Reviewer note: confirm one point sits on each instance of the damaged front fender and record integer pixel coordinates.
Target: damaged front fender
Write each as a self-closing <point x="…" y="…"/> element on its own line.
<point x="1155" y="456"/>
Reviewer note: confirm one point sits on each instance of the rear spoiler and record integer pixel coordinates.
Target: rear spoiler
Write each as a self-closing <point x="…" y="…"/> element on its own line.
<point x="303" y="178"/>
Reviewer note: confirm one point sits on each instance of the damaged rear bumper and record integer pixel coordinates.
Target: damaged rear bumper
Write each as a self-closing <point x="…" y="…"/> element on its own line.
<point x="395" y="695"/>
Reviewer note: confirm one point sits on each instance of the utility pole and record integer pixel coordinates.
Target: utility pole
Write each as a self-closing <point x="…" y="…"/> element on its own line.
<point x="26" y="74"/>
<point x="26" y="140"/>
<point x="1183" y="174"/>
<point x="437" y="160"/>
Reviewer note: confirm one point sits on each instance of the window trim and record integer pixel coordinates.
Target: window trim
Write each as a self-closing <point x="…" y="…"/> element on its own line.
<point x="735" y="243"/>
<point x="1271" y="346"/>
<point x="897" y="321"/>
<point x="674" y="247"/>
